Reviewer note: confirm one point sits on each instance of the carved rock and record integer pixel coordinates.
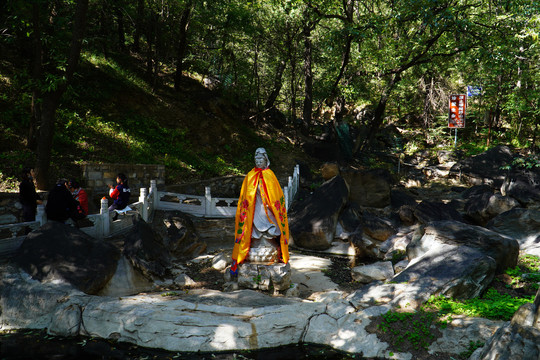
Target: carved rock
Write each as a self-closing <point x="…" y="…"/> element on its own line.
<point x="264" y="277"/>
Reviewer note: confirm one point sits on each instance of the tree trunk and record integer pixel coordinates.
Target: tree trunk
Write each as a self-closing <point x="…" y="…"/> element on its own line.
<point x="535" y="138"/>
<point x="278" y="83"/>
<point x="150" y="39"/>
<point x="104" y="29"/>
<point x="257" y="80"/>
<point x="292" y="60"/>
<point x="378" y="116"/>
<point x="139" y="23"/>
<point x="36" y="76"/>
<point x="50" y="103"/>
<point x="182" y="45"/>
<point x="51" y="100"/>
<point x="344" y="63"/>
<point x="348" y="9"/>
<point x="158" y="49"/>
<point x="308" y="78"/>
<point x="121" y="31"/>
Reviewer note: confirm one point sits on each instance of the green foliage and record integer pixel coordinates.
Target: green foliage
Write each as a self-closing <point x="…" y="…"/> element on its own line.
<point x="528" y="162"/>
<point x="473" y="345"/>
<point x="397" y="256"/>
<point x="418" y="329"/>
<point x="530" y="262"/>
<point x="410" y="329"/>
<point x="493" y="305"/>
<point x="411" y="54"/>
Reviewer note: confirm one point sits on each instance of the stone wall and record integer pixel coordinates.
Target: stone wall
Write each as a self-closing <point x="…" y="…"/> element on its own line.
<point x="96" y="177"/>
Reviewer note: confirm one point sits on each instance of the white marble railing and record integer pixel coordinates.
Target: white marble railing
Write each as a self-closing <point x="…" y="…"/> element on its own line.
<point x="101" y="225"/>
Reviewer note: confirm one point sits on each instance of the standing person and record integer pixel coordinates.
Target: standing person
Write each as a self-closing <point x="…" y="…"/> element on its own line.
<point x="78" y="194"/>
<point x="28" y="197"/>
<point x="60" y="203"/>
<point x="120" y="194"/>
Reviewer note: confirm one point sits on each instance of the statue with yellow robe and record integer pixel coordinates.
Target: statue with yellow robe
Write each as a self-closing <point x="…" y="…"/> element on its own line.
<point x="261" y="224"/>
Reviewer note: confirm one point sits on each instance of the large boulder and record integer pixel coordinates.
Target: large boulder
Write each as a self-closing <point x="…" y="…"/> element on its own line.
<point x="449" y="258"/>
<point x="524" y="186"/>
<point x="369" y="188"/>
<point x="482" y="208"/>
<point x="401" y="198"/>
<point x="58" y="251"/>
<point x="329" y="170"/>
<point x="313" y="220"/>
<point x="376" y="227"/>
<point x="179" y="234"/>
<point x="517" y="340"/>
<point x="522" y="225"/>
<point x="146" y="251"/>
<point x="504" y="250"/>
<point x="484" y="168"/>
<point x="428" y="211"/>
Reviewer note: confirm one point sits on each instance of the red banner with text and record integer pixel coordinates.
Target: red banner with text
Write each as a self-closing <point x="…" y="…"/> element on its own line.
<point x="456" y="111"/>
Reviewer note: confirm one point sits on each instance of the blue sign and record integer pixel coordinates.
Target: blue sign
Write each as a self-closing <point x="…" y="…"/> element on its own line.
<point x="474" y="90"/>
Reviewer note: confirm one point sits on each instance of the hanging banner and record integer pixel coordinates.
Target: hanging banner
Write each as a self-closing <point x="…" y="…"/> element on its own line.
<point x="456" y="113"/>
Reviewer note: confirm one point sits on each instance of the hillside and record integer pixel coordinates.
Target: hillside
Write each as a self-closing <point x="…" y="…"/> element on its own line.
<point x="112" y="115"/>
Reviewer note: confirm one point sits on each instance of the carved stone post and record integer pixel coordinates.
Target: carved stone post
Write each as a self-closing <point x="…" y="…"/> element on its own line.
<point x="208" y="209"/>
<point x="41" y="216"/>
<point x="155" y="195"/>
<point x="144" y="206"/>
<point x="105" y="219"/>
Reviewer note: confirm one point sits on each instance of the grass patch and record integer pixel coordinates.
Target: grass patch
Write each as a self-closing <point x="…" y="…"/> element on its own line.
<point x="493" y="305"/>
<point x="415" y="331"/>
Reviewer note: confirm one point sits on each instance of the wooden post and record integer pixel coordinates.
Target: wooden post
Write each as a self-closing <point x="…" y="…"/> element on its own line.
<point x="144" y="201"/>
<point x="104" y="213"/>
<point x="207" y="202"/>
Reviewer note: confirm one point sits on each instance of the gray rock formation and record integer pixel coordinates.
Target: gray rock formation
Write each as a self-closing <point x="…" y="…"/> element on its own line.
<point x="313" y="220"/>
<point x="518" y="339"/>
<point x="58" y="251"/>
<point x="369" y="188"/>
<point x="146" y="250"/>
<point x="522" y="225"/>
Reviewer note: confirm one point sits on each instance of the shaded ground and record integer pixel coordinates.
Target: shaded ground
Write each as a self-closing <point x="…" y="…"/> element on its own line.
<point x="34" y="344"/>
<point x="205" y="276"/>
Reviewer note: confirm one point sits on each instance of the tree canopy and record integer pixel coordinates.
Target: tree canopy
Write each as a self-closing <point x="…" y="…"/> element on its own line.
<point x="396" y="61"/>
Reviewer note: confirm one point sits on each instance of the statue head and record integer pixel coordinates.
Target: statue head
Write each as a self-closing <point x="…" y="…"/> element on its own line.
<point x="261" y="159"/>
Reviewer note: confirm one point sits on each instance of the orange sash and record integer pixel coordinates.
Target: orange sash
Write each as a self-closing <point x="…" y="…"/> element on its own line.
<point x="272" y="196"/>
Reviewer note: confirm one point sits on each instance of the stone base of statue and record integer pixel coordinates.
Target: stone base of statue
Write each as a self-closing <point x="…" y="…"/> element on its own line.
<point x="262" y="251"/>
<point x="275" y="277"/>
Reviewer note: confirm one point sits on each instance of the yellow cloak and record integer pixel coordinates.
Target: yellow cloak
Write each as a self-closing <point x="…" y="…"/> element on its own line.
<point x="273" y="199"/>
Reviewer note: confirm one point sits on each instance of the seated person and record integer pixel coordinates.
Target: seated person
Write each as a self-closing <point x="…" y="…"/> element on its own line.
<point x="78" y="194"/>
<point x="60" y="203"/>
<point x="120" y="194"/>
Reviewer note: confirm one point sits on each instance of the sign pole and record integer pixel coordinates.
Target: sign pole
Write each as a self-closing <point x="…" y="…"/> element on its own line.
<point x="457" y="105"/>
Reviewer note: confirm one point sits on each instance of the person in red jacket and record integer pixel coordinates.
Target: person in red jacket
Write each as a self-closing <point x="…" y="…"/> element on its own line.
<point x="79" y="194"/>
<point x="119" y="193"/>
